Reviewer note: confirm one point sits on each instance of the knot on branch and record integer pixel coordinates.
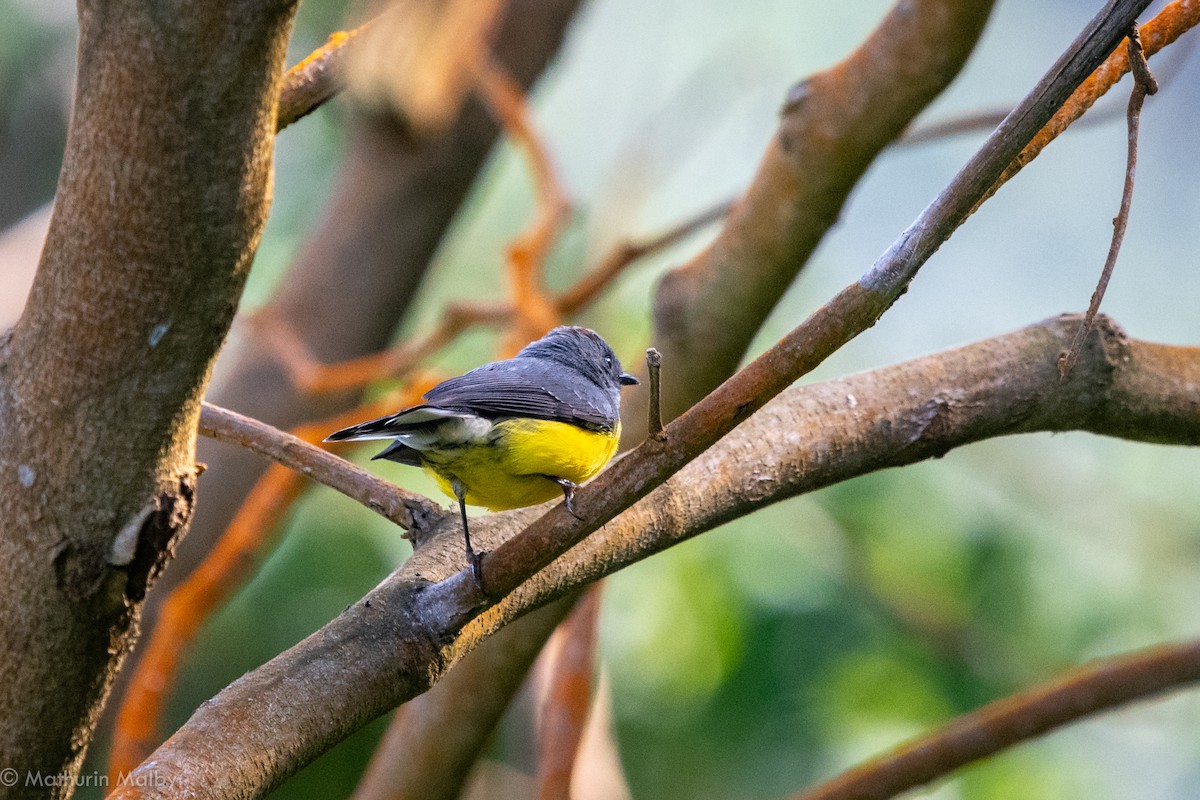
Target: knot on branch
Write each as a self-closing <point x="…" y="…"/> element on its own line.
<point x="158" y="535"/>
<point x="933" y="424"/>
<point x="1106" y="342"/>
<point x="138" y="553"/>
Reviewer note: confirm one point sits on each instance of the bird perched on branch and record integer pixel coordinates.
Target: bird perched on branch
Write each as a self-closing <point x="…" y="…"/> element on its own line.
<point x="512" y="433"/>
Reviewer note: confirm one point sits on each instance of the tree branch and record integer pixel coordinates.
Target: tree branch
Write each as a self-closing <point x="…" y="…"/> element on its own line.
<point x="428" y="750"/>
<point x="381" y="652"/>
<point x="253" y="529"/>
<point x="404" y="508"/>
<point x="1167" y="26"/>
<point x="317" y="78"/>
<point x="1144" y="84"/>
<point x="997" y="726"/>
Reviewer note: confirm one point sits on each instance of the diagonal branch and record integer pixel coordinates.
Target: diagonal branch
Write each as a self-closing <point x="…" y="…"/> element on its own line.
<point x="1012" y="720"/>
<point x="224" y="568"/>
<point x="317" y="78"/>
<point x="406" y="509"/>
<point x="534" y="312"/>
<point x="1166" y="27"/>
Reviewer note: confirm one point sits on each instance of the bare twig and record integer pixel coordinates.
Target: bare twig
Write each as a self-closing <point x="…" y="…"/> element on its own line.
<point x="1167" y="26"/>
<point x="397" y="505"/>
<point x="653" y="369"/>
<point x="1143" y="84"/>
<point x="601" y="276"/>
<point x="984" y="121"/>
<point x="310" y="375"/>
<point x="226" y="566"/>
<point x="315" y="79"/>
<point x="999" y="725"/>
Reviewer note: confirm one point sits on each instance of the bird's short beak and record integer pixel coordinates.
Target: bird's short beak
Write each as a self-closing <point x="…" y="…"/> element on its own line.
<point x="627" y="380"/>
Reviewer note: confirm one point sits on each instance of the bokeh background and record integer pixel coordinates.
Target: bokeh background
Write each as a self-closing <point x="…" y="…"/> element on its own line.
<point x="777" y="650"/>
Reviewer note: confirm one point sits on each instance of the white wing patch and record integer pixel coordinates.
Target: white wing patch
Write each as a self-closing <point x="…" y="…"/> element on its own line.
<point x="455" y="430"/>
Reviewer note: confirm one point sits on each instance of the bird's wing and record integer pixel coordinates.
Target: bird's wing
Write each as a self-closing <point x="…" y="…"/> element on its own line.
<point x="525" y="387"/>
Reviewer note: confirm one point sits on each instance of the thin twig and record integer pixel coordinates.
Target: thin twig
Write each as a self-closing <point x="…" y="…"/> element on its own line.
<point x="315" y="79"/>
<point x="310" y="375"/>
<point x="984" y="121"/>
<point x="223" y="569"/>
<point x="397" y="505"/>
<point x="1143" y="84"/>
<point x="1167" y="26"/>
<point x="228" y="563"/>
<point x="653" y="368"/>
<point x="999" y="725"/>
<point x="601" y="276"/>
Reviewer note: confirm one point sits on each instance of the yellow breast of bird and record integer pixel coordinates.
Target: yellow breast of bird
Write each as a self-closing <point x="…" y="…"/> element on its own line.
<point x="508" y="471"/>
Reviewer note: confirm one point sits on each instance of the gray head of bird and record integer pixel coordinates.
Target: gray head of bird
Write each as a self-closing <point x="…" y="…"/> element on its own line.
<point x="584" y="351"/>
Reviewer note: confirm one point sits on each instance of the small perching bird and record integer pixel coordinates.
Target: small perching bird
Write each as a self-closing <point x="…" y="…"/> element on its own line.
<point x="512" y="433"/>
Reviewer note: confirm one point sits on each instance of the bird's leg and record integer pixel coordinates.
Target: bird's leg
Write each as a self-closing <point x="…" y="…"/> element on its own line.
<point x="473" y="558"/>
<point x="568" y="489"/>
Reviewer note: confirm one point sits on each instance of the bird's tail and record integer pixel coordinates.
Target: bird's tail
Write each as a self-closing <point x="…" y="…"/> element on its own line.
<point x="382" y="428"/>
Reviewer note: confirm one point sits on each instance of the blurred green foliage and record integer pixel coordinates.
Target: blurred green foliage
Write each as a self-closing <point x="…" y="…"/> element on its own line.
<point x="773" y="652"/>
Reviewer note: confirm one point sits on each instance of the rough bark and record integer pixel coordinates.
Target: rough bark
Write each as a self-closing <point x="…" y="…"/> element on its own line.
<point x="164" y="190"/>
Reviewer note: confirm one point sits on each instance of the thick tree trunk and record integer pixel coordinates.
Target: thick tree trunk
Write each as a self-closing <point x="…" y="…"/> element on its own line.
<point x="164" y="191"/>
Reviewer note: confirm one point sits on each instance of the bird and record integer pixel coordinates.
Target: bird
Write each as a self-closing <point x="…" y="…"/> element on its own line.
<point x="512" y="433"/>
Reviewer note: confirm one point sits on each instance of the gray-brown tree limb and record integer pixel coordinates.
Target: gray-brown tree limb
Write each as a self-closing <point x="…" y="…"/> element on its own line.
<point x="164" y="190"/>
<point x="1093" y="687"/>
<point x="402" y="636"/>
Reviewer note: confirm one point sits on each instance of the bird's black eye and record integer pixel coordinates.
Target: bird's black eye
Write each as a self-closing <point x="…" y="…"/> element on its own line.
<point x="608" y="360"/>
